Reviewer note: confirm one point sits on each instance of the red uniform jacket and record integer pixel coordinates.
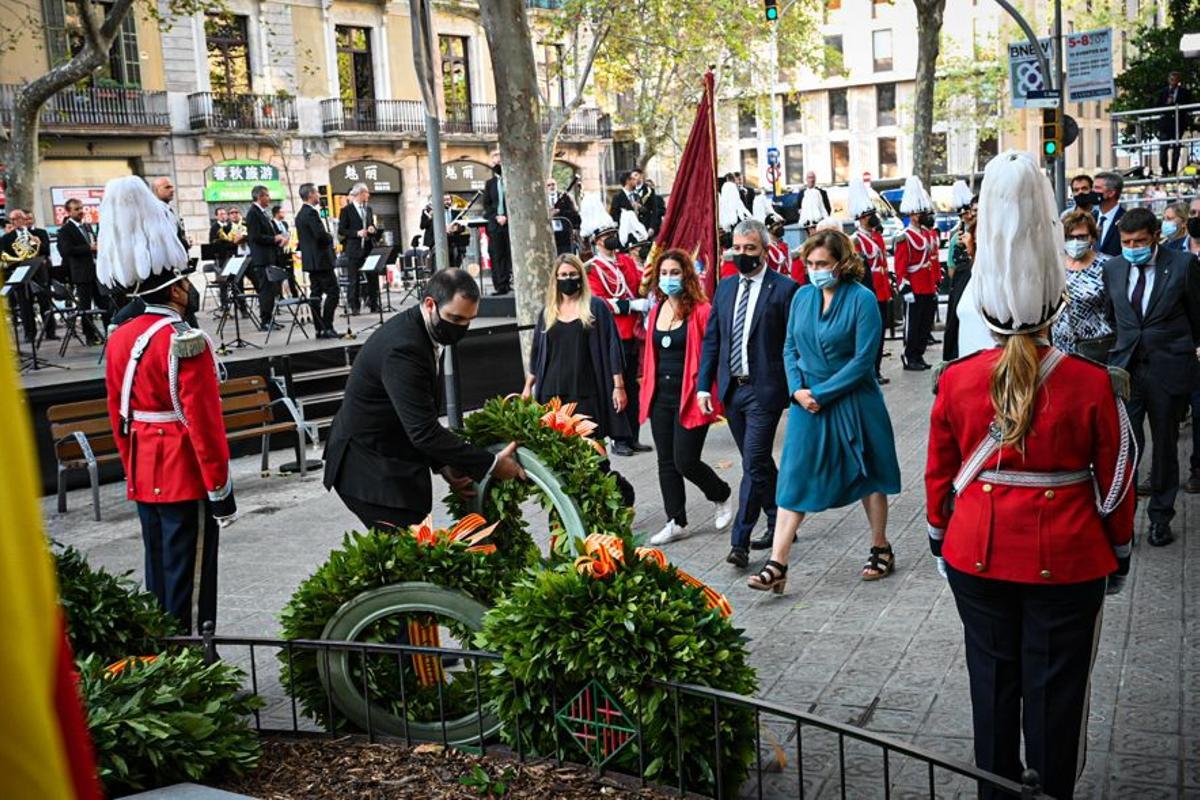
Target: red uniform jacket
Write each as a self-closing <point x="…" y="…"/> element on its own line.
<point x="778" y="258"/>
<point x="611" y="282"/>
<point x="690" y="415"/>
<point x="917" y="260"/>
<point x="173" y="460"/>
<point x="874" y="253"/>
<point x="1029" y="534"/>
<point x="799" y="271"/>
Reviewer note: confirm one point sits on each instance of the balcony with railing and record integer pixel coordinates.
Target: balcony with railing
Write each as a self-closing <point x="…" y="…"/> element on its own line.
<point x="407" y="117"/>
<point x="245" y="113"/>
<point x="95" y="109"/>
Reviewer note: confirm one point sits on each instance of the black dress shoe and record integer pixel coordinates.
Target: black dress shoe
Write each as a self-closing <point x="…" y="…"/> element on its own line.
<point x="620" y="449"/>
<point x="882" y="381"/>
<point x="738" y="557"/>
<point x="914" y="366"/>
<point x="638" y="447"/>
<point x="1160" y="534"/>
<point x="767" y="541"/>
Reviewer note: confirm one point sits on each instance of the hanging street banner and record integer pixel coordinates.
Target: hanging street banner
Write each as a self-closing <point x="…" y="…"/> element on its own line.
<point x="1089" y="66"/>
<point x="232" y="181"/>
<point x="1024" y="71"/>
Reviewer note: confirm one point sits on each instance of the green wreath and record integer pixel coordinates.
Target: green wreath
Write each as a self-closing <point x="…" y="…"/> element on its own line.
<point x="558" y="439"/>
<point x="370" y="561"/>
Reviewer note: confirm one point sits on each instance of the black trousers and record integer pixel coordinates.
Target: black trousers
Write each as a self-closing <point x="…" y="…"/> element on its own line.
<point x="631" y="351"/>
<point x="387" y="519"/>
<point x="958" y="284"/>
<point x="87" y="296"/>
<point x="921" y="312"/>
<point x="174" y="536"/>
<point x="25" y="302"/>
<point x="500" y="252"/>
<point x="1147" y="398"/>
<point x="368" y="289"/>
<point x="267" y="291"/>
<point x="753" y="427"/>
<point x="323" y="297"/>
<point x="884" y="308"/>
<point x="1029" y="651"/>
<point x="679" y="454"/>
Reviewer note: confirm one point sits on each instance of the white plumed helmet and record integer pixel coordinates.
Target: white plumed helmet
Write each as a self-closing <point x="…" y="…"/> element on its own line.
<point x="915" y="199"/>
<point x="812" y="208"/>
<point x="593" y="216"/>
<point x="731" y="209"/>
<point x="859" y="199"/>
<point x="139" y="236"/>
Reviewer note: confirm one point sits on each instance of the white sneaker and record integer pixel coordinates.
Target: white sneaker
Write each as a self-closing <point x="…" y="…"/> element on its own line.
<point x="670" y="533"/>
<point x="723" y="514"/>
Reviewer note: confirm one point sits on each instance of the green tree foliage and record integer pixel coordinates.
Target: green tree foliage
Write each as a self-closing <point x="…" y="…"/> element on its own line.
<point x="970" y="93"/>
<point x="1154" y="52"/>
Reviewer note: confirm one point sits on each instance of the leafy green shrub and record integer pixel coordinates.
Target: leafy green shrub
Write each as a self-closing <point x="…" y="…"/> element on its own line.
<point x="106" y="614"/>
<point x="574" y="459"/>
<point x="623" y="624"/>
<point x="369" y="561"/>
<point x="169" y="720"/>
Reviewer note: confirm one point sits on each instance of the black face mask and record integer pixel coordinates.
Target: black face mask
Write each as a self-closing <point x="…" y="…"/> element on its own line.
<point x="746" y="263"/>
<point x="612" y="243"/>
<point x="873" y="222"/>
<point x="569" y="287"/>
<point x="1193" y="227"/>
<point x="927" y="220"/>
<point x="193" y="301"/>
<point x="496" y="170"/>
<point x="1084" y="200"/>
<point x="445" y="332"/>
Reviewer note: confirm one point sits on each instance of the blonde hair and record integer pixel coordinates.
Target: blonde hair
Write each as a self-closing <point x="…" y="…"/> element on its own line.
<point x="550" y="314"/>
<point x="1013" y="388"/>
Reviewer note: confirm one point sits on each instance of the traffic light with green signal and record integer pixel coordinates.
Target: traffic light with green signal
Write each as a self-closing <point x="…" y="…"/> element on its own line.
<point x="771" y="9"/>
<point x="1052" y="134"/>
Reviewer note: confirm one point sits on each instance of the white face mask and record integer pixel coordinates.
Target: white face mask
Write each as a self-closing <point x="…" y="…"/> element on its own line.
<point x="1077" y="249"/>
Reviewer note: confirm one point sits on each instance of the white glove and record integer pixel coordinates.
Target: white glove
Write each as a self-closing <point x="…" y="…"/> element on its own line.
<point x="941" y="565"/>
<point x="639" y="304"/>
<point x="909" y="298"/>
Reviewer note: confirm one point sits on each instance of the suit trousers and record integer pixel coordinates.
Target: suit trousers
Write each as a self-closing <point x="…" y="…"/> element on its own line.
<point x="1147" y="398"/>
<point x="87" y="296"/>
<point x="323" y="297"/>
<point x="500" y="252"/>
<point x="753" y="429"/>
<point x="1029" y="650"/>
<point x="174" y="535"/>
<point x="361" y="285"/>
<point x="386" y="519"/>
<point x="1168" y="158"/>
<point x="921" y="312"/>
<point x="884" y="308"/>
<point x="679" y="454"/>
<point x="267" y="290"/>
<point x="631" y="351"/>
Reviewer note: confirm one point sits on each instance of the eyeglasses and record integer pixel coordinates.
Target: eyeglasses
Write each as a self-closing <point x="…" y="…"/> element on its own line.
<point x="1080" y="237"/>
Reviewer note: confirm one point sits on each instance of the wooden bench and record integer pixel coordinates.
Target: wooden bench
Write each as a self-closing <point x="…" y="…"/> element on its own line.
<point x="83" y="436"/>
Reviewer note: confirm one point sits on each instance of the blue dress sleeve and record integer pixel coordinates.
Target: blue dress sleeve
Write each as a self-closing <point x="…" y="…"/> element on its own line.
<point x="867" y="327"/>
<point x="791" y="347"/>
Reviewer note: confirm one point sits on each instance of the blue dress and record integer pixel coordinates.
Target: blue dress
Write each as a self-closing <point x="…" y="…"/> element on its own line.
<point x="846" y="450"/>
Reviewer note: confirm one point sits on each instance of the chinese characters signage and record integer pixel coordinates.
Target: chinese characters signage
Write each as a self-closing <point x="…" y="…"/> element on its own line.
<point x="378" y="177"/>
<point x="465" y="177"/>
<point x="232" y="181"/>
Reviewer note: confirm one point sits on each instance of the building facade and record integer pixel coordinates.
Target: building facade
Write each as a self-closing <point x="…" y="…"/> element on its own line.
<point x="286" y="92"/>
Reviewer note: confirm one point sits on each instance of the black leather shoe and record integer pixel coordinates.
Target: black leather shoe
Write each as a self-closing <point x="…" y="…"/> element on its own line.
<point x="882" y="381"/>
<point x="638" y="447"/>
<point x="767" y="541"/>
<point x="914" y="366"/>
<point x="1160" y="534"/>
<point x="738" y="557"/>
<point x="621" y="449"/>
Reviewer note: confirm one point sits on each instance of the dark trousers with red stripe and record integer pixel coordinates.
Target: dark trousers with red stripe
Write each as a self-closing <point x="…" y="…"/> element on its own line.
<point x="176" y="536"/>
<point x="1029" y="651"/>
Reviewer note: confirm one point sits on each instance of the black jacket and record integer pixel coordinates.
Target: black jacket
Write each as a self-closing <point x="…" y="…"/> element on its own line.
<point x="621" y="202"/>
<point x="1166" y="122"/>
<point x="76" y="250"/>
<point x="316" y="245"/>
<point x="565" y="207"/>
<point x="1162" y="345"/>
<point x="491" y="201"/>
<point x="349" y="224"/>
<point x="260" y="235"/>
<point x="1111" y="243"/>
<point x="7" y="241"/>
<point x="221" y="248"/>
<point x="386" y="436"/>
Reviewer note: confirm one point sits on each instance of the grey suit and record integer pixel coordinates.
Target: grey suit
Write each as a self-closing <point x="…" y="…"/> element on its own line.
<point x="1158" y="349"/>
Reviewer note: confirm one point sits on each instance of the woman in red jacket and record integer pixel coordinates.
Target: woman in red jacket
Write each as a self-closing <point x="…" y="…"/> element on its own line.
<point x="1027" y="483"/>
<point x="670" y="363"/>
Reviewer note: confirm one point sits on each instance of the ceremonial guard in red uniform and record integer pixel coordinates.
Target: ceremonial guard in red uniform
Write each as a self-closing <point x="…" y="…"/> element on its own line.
<point x="164" y="401"/>
<point x="1031" y="460"/>
<point x="918" y="270"/>
<point x="869" y="244"/>
<point x="615" y="278"/>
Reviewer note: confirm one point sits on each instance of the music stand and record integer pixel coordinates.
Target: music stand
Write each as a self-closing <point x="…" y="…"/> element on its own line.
<point x="374" y="265"/>
<point x="389" y="255"/>
<point x="234" y="270"/>
<point x="21" y="281"/>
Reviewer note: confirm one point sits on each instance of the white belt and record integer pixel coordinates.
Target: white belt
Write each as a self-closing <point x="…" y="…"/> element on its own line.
<point x="155" y="416"/>
<point x="1009" y="477"/>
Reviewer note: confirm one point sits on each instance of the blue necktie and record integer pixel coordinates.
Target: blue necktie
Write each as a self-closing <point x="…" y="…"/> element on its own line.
<point x="739" y="322"/>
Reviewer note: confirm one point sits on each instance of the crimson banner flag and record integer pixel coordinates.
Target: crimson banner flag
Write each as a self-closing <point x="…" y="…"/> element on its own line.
<point x="691" y="220"/>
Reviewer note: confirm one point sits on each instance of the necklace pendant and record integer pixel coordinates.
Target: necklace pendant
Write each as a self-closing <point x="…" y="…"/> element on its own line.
<point x="666" y="340"/>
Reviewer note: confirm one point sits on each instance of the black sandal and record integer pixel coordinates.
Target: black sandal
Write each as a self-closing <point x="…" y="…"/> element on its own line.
<point x="881" y="562"/>
<point x="772" y="577"/>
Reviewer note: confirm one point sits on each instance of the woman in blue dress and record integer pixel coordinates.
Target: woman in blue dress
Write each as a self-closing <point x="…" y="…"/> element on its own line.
<point x="839" y="445"/>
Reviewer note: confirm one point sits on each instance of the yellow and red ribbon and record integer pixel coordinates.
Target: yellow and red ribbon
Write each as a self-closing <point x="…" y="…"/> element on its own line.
<point x="468" y="531"/>
<point x="562" y="418"/>
<point x="604" y="553"/>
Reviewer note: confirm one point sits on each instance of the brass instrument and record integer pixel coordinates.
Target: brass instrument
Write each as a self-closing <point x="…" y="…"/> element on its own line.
<point x="236" y="233"/>
<point x="22" y="250"/>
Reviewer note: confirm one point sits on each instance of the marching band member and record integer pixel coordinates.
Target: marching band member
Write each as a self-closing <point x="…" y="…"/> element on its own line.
<point x="868" y="242"/>
<point x="1031" y="460"/>
<point x="614" y="278"/>
<point x="919" y="271"/>
<point x="164" y="403"/>
<point x="958" y="264"/>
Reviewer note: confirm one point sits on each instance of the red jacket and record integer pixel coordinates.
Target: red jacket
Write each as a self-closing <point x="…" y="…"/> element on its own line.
<point x="1029" y="534"/>
<point x="799" y="271"/>
<point x="920" y="267"/>
<point x="873" y="250"/>
<point x="611" y="282"/>
<point x="778" y="259"/>
<point x="690" y="415"/>
<point x="168" y="461"/>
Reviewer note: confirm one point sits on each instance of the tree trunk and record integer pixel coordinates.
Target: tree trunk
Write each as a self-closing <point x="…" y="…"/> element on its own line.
<point x="20" y="152"/>
<point x="929" y="30"/>
<point x="517" y="117"/>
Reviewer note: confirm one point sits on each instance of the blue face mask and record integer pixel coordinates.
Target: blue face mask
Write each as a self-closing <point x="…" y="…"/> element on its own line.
<point x="1169" y="229"/>
<point x="1137" y="255"/>
<point x="822" y="278"/>
<point x="671" y="285"/>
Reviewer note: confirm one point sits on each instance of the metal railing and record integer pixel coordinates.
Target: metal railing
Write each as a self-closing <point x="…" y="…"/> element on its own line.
<point x="1140" y="133"/>
<point x="474" y="119"/>
<point x="891" y="752"/>
<point x="210" y="111"/>
<point x="95" y="107"/>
